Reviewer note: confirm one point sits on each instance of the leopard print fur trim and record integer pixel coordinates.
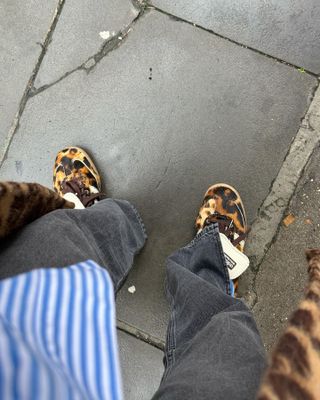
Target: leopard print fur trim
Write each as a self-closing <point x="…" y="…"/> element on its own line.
<point x="22" y="203"/>
<point x="294" y="369"/>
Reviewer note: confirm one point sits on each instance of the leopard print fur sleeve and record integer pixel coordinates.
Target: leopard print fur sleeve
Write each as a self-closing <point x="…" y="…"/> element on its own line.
<point x="21" y="203"/>
<point x="294" y="371"/>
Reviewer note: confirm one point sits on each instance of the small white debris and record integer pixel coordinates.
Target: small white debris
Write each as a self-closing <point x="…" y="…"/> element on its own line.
<point x="120" y="37"/>
<point x="132" y="289"/>
<point x="311" y="180"/>
<point x="105" y="35"/>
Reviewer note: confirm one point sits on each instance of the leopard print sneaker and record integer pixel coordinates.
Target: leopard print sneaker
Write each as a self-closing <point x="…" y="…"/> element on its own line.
<point x="74" y="172"/>
<point x="222" y="199"/>
<point x="222" y="204"/>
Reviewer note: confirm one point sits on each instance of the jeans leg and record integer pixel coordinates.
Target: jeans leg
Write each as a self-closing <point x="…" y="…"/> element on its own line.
<point x="109" y="233"/>
<point x="213" y="348"/>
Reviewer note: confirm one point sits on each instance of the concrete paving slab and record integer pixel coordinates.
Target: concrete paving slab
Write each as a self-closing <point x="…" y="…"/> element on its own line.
<point x="289" y="30"/>
<point x="23" y="26"/>
<point x="82" y="29"/>
<point x="141" y="366"/>
<point x="171" y="111"/>
<point x="282" y="276"/>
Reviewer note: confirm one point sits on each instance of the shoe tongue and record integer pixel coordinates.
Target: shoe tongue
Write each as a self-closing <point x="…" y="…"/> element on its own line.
<point x="225" y="224"/>
<point x="220" y="219"/>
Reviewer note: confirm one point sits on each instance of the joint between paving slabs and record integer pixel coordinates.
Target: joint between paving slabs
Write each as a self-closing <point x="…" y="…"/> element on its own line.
<point x="305" y="144"/>
<point x="87" y="66"/>
<point x="29" y="87"/>
<point x="107" y="47"/>
<point x="140" y="4"/>
<point x="274" y="58"/>
<point x="251" y="297"/>
<point x="140" y="334"/>
<point x="113" y="43"/>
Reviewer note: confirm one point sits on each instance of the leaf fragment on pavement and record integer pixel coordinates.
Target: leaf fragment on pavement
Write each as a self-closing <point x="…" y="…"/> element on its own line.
<point x="288" y="220"/>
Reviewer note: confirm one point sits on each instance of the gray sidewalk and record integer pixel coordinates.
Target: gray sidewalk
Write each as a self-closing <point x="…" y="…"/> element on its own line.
<point x="168" y="98"/>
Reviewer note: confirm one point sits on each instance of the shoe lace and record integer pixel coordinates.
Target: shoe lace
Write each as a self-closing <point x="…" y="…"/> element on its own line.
<point x="77" y="187"/>
<point x="226" y="226"/>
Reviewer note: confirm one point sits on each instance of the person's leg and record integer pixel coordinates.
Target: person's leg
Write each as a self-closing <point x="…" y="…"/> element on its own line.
<point x="58" y="325"/>
<point x="213" y="348"/>
<point x="109" y="232"/>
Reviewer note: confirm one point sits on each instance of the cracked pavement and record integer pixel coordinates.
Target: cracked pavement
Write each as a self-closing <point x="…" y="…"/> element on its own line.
<point x="180" y="95"/>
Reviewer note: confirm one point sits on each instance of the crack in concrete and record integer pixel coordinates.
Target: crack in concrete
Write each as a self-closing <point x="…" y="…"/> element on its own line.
<point x="266" y="226"/>
<point x="163" y="175"/>
<point x="113" y="43"/>
<point x="107" y="47"/>
<point x="140" y="4"/>
<point x="274" y="58"/>
<point x="140" y="334"/>
<point x="29" y="87"/>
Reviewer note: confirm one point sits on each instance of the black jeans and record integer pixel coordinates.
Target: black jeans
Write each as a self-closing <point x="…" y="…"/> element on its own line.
<point x="213" y="348"/>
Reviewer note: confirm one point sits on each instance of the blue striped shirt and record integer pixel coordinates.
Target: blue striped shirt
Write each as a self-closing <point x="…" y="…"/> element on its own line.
<point x="58" y="336"/>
